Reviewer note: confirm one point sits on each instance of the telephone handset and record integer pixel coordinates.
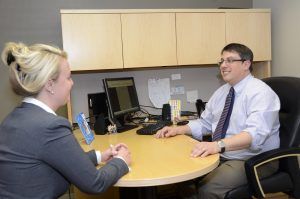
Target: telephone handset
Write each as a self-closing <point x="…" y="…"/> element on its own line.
<point x="200" y="106"/>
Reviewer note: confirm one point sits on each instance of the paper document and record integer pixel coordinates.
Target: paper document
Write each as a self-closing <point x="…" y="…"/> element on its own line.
<point x="192" y="96"/>
<point x="159" y="91"/>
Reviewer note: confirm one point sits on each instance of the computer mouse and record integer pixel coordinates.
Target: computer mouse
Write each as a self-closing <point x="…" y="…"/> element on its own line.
<point x="183" y="122"/>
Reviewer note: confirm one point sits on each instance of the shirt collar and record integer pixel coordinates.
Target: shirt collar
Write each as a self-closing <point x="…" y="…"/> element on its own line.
<point x="238" y="88"/>
<point x="38" y="103"/>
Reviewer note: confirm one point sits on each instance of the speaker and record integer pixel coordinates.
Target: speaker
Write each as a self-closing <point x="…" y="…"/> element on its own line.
<point x="100" y="126"/>
<point x="98" y="112"/>
<point x="166" y="112"/>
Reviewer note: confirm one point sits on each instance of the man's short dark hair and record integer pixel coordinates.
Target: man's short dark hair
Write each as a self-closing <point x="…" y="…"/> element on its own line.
<point x="244" y="52"/>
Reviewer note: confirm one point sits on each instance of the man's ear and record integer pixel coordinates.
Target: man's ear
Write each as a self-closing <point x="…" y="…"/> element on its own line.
<point x="247" y="64"/>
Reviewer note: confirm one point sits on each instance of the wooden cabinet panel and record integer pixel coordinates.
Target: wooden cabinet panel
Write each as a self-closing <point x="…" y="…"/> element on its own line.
<point x="149" y="39"/>
<point x="200" y="37"/>
<point x="116" y="40"/>
<point x="261" y="69"/>
<point x="251" y="29"/>
<point x="93" y="41"/>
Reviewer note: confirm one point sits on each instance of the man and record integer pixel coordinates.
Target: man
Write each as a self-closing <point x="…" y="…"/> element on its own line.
<point x="242" y="117"/>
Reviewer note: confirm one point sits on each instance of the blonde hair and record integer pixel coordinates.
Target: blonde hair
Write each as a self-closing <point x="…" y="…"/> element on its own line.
<point x="30" y="67"/>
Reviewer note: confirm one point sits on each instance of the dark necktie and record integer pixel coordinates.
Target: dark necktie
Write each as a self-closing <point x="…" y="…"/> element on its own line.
<point x="223" y="123"/>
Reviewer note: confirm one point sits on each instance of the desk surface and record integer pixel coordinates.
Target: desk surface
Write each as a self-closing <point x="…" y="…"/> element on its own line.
<point x="155" y="161"/>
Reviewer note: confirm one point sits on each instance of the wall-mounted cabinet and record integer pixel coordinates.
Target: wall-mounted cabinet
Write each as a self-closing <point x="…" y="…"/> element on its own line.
<point x="116" y="39"/>
<point x="200" y="37"/>
<point x="93" y="41"/>
<point x="252" y="29"/>
<point x="149" y="39"/>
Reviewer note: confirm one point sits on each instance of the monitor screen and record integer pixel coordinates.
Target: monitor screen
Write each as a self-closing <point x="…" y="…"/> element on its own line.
<point x="121" y="96"/>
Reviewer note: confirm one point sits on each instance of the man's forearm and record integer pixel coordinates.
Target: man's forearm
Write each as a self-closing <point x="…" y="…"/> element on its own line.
<point x="237" y="142"/>
<point x="184" y="130"/>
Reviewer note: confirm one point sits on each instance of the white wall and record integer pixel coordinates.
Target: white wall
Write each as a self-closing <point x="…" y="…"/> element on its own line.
<point x="285" y="35"/>
<point x="204" y="80"/>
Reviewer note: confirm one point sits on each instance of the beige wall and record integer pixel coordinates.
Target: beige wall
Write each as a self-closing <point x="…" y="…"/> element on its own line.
<point x="285" y="35"/>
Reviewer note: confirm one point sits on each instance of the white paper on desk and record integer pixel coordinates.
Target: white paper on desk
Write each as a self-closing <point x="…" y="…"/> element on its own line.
<point x="159" y="91"/>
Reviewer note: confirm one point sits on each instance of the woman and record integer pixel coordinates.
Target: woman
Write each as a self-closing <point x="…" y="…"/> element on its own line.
<point x="39" y="156"/>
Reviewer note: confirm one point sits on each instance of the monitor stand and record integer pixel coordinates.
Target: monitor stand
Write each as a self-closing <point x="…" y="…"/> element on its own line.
<point x="121" y="126"/>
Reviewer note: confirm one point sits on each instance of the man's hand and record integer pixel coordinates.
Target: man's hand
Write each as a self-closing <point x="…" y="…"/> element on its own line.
<point x="166" y="132"/>
<point x="173" y="131"/>
<point x="204" y="149"/>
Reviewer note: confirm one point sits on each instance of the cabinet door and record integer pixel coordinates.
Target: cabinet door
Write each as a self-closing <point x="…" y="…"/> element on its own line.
<point x="200" y="37"/>
<point x="92" y="41"/>
<point x="251" y="29"/>
<point x="149" y="39"/>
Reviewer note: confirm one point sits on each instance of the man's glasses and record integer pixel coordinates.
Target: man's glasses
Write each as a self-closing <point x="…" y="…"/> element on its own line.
<point x="229" y="61"/>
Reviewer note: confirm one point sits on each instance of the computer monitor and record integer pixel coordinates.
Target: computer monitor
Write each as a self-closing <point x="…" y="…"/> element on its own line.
<point x="122" y="98"/>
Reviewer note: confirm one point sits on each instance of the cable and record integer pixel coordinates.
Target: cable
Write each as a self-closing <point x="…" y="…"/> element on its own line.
<point x="70" y="192"/>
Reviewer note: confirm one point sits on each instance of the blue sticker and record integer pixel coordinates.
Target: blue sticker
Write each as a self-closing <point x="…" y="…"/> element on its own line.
<point x="85" y="128"/>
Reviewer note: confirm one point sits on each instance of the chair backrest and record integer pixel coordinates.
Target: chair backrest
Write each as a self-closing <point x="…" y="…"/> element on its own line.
<point x="288" y="91"/>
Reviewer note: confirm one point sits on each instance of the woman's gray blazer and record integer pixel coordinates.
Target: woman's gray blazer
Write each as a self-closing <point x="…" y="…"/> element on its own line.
<point x="40" y="157"/>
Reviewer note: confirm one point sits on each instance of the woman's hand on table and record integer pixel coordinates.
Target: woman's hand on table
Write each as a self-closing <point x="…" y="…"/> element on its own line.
<point x="114" y="150"/>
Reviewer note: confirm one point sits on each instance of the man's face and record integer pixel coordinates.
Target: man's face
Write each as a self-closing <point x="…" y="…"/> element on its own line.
<point x="233" y="69"/>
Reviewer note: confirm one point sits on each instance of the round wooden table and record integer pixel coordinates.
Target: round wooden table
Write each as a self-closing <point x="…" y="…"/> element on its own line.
<point x="155" y="161"/>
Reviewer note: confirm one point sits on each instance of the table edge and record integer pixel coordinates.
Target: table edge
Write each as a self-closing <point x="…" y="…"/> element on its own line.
<point x="168" y="180"/>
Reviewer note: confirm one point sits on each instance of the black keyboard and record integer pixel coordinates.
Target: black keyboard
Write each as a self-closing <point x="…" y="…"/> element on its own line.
<point x="153" y="128"/>
<point x="126" y="127"/>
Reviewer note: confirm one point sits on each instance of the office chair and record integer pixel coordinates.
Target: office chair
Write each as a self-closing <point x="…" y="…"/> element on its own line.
<point x="287" y="178"/>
